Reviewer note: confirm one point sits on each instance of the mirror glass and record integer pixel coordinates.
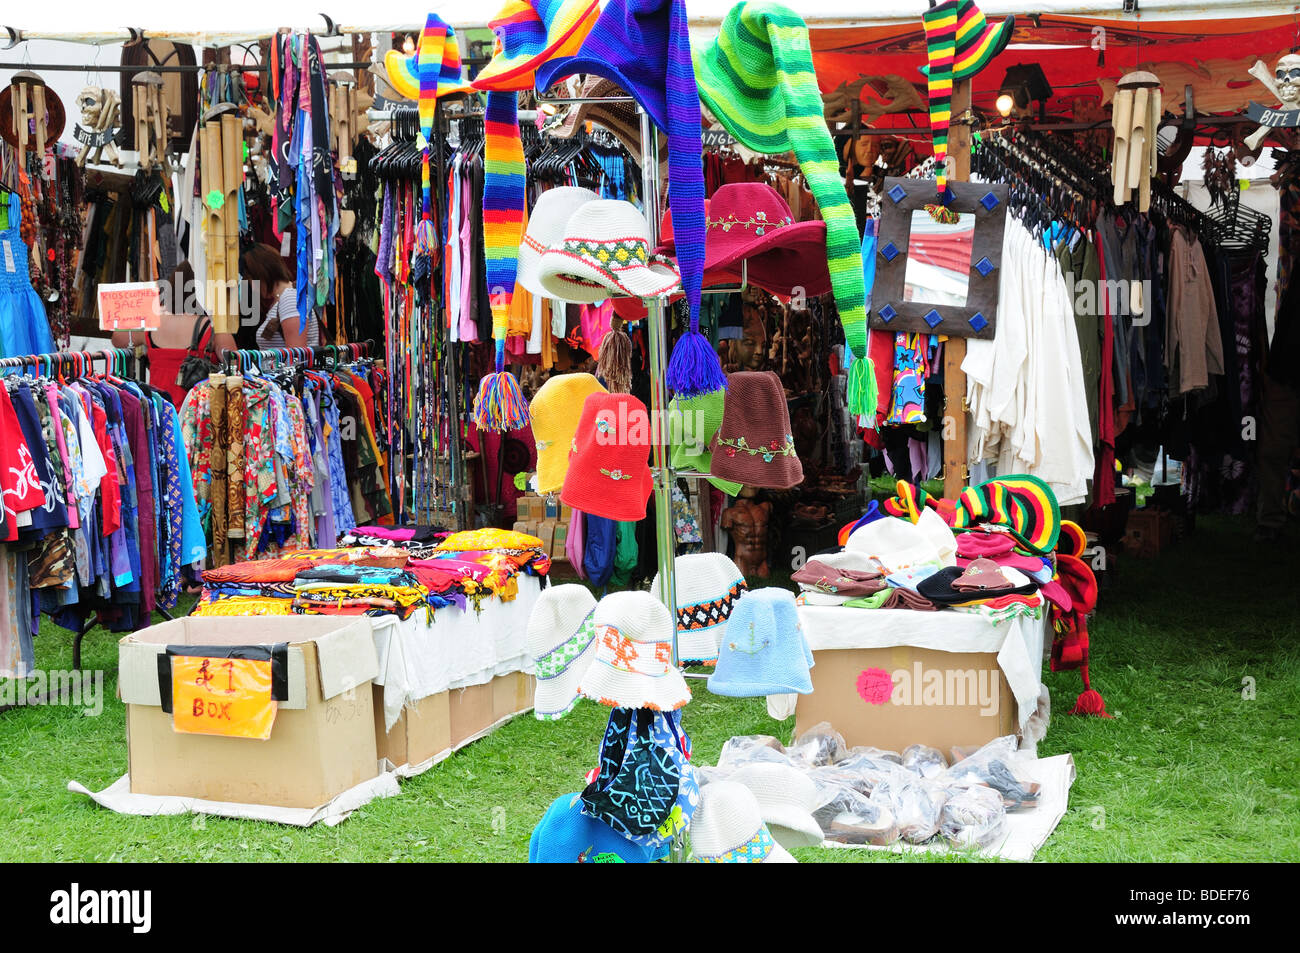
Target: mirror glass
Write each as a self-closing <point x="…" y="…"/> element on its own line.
<point x="938" y="260"/>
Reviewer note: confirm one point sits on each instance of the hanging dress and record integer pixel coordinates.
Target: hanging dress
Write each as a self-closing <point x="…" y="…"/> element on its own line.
<point x="24" y="326"/>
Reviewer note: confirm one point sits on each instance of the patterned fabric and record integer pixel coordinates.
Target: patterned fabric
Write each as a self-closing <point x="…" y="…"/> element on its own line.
<point x="912" y="365"/>
<point x="643" y="773"/>
<point x="558" y="659"/>
<point x="753" y="851"/>
<point x="705" y="615"/>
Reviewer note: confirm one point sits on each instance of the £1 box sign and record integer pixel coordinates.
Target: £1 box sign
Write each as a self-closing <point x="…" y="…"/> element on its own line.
<point x="231" y="691"/>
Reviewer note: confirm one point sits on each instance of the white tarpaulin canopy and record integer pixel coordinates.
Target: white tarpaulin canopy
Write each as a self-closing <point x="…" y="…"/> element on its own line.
<point x="229" y="22"/>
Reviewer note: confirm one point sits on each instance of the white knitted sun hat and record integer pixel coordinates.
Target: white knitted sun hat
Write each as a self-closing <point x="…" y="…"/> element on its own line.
<point x="786" y="798"/>
<point x="546" y="227"/>
<point x="605" y="250"/>
<point x="562" y="641"/>
<point x="707" y="587"/>
<point x="895" y="544"/>
<point x="633" y="663"/>
<point x="728" y="828"/>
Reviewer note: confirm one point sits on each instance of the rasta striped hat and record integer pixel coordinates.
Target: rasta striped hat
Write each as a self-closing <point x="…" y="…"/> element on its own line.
<point x="1023" y="504"/>
<point x="758" y="79"/>
<point x="644" y="46"/>
<point x="959" y="42"/>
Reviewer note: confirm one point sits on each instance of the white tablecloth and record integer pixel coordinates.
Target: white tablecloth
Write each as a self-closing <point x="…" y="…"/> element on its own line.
<point x="1019" y="643"/>
<point x="461" y="648"/>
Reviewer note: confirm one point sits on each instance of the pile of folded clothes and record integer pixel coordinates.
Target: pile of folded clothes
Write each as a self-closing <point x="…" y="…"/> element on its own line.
<point x="869" y="796"/>
<point x="992" y="553"/>
<point x="379" y="575"/>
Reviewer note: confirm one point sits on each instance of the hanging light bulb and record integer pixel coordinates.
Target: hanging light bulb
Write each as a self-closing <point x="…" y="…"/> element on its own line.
<point x="1005" y="104"/>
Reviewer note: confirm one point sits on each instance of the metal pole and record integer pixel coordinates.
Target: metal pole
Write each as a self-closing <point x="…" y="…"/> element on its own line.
<point x="656" y="326"/>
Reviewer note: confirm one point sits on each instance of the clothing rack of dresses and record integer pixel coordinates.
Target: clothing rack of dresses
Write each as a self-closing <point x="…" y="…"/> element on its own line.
<point x="57" y="369"/>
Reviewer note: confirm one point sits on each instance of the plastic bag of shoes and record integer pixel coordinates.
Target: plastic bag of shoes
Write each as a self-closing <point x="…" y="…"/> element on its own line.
<point x="926" y="761"/>
<point x="974" y="817"/>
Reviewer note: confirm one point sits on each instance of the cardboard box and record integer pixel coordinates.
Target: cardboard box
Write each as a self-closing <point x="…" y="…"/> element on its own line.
<point x="322" y="741"/>
<point x="419" y="734"/>
<point x="532" y="508"/>
<point x="939" y="699"/>
<point x="470" y="712"/>
<point x="512" y="694"/>
<point x="1147" y="532"/>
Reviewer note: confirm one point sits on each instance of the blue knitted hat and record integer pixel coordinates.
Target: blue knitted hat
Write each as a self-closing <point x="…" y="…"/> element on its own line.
<point x="644" y="46"/>
<point x="565" y="835"/>
<point x="764" y="652"/>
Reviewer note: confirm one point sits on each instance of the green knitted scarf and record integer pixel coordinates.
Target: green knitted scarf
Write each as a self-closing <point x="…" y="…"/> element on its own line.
<point x="758" y="79"/>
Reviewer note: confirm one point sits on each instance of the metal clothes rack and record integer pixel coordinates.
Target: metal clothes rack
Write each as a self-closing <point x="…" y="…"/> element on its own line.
<point x="330" y="355"/>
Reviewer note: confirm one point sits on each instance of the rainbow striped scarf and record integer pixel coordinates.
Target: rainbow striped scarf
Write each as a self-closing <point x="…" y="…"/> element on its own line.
<point x="500" y="404"/>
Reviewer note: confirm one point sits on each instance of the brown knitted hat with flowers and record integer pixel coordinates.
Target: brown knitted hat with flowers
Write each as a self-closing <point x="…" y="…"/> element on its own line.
<point x="754" y="445"/>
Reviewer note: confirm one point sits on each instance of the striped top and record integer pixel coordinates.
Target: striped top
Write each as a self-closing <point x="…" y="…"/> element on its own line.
<point x="270" y="334"/>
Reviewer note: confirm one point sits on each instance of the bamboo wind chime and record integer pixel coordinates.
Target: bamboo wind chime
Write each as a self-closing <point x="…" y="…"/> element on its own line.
<point x="149" y="107"/>
<point x="221" y="145"/>
<point x="1136" y="117"/>
<point x="28" y="109"/>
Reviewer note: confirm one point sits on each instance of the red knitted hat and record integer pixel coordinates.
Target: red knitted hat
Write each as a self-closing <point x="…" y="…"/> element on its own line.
<point x="609" y="468"/>
<point x="754" y="445"/>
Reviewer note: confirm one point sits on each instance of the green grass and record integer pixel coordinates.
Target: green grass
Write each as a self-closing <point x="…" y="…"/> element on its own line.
<point x="1188" y="769"/>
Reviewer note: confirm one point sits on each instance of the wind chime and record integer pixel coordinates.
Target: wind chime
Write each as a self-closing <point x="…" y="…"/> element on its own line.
<point x="221" y="145"/>
<point x="29" y="113"/>
<point x="1136" y="116"/>
<point x="149" y="109"/>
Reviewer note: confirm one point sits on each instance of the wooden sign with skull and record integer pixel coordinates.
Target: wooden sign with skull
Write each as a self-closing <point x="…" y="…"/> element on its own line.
<point x="1284" y="83"/>
<point x="100" y="111"/>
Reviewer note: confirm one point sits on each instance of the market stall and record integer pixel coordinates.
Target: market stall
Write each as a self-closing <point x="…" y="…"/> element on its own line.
<point x="434" y="318"/>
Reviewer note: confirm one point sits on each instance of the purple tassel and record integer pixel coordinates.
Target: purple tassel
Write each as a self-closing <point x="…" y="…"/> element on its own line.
<point x="694" y="367"/>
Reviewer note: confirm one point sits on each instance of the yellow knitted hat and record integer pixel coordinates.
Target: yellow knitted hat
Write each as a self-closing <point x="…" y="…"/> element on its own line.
<point x="555" y="410"/>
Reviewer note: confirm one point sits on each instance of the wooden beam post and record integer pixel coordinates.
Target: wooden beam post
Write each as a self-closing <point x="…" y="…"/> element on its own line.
<point x="954" y="349"/>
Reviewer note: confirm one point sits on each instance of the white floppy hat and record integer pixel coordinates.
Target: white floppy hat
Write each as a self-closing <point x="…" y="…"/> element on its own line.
<point x="546" y="227"/>
<point x="633" y="666"/>
<point x="895" y="544"/>
<point x="728" y="828"/>
<point x="605" y="250"/>
<point x="707" y="587"/>
<point x="562" y="641"/>
<point x="786" y="798"/>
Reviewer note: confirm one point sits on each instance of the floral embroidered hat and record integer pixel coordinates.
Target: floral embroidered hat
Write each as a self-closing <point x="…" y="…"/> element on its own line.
<point x="754" y="445"/>
<point x="555" y="409"/>
<point x="604" y="251"/>
<point x="609" y="462"/>
<point x="750" y="221"/>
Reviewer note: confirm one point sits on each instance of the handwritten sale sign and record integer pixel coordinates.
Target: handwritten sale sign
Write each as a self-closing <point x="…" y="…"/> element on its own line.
<point x="221" y="696"/>
<point x="129" y="306"/>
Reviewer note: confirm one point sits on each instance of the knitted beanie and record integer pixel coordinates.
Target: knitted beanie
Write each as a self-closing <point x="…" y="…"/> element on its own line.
<point x="562" y="641"/>
<point x="565" y="835"/>
<point x="644" y="46"/>
<point x="609" y="468"/>
<point x="555" y="410"/>
<point x="754" y="445"/>
<point x="696" y="421"/>
<point x="758" y="79"/>
<point x="728" y="828"/>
